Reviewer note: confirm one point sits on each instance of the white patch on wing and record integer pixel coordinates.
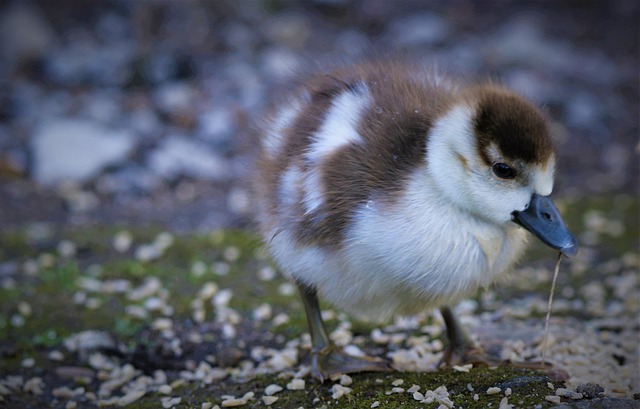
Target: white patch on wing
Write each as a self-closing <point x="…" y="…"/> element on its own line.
<point x="289" y="189"/>
<point x="313" y="191"/>
<point x="274" y="137"/>
<point x="340" y="124"/>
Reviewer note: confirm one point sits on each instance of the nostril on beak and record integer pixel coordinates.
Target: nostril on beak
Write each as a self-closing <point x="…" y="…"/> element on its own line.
<point x="547" y="216"/>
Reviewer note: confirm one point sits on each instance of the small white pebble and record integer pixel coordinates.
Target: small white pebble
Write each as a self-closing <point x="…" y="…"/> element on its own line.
<point x="470" y="387"/>
<point x="266" y="274"/>
<point x="122" y="241"/>
<point x="66" y="248"/>
<point x="269" y="400"/>
<point x="397" y="390"/>
<point x="63" y="392"/>
<point x="198" y="269"/>
<point x="231" y="254"/>
<point x="220" y="268"/>
<point x="339" y="391"/>
<point x="493" y="390"/>
<point x="552" y="398"/>
<point x="17" y="320"/>
<point x="248" y="396"/>
<point x="34" y="386"/>
<point x="280" y="319"/>
<point x="345" y="380"/>
<point x="462" y="368"/>
<point x="476" y="397"/>
<point x="296" y="385"/>
<point x="272" y="389"/>
<point x="162" y="324"/>
<point x="413" y="388"/>
<point x="375" y="404"/>
<point x="397" y="382"/>
<point x="507" y="392"/>
<point x="25" y="309"/>
<point x="71" y="405"/>
<point x="262" y="313"/>
<point x="504" y="404"/>
<point x="170" y="402"/>
<point x="418" y="396"/>
<point x="206" y="405"/>
<point x="56" y="355"/>
<point x="208" y="290"/>
<point x="165" y="389"/>
<point x="286" y="289"/>
<point x="229" y="403"/>
<point x="28" y="363"/>
<point x="131" y="397"/>
<point x="550" y="386"/>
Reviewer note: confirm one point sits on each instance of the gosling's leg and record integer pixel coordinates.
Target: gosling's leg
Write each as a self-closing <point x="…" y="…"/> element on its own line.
<point x="326" y="358"/>
<point x="461" y="349"/>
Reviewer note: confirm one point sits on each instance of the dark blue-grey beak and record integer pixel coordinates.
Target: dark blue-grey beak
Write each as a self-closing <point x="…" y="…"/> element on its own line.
<point x="542" y="218"/>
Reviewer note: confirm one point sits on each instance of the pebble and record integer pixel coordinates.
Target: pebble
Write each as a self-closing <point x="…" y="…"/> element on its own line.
<point x="169" y="402"/>
<point x="493" y="390"/>
<point x="375" y="404"/>
<point x="28" y="363"/>
<point x="180" y="156"/>
<point x="296" y="385"/>
<point x="345" y="380"/>
<point x="504" y="404"/>
<point x="63" y="392"/>
<point x="76" y="150"/>
<point x="552" y="398"/>
<point x="34" y="386"/>
<point x="462" y="368"/>
<point x="339" y="391"/>
<point x="272" y="389"/>
<point x="269" y="400"/>
<point x="229" y="403"/>
<point x="131" y="397"/>
<point x="122" y="241"/>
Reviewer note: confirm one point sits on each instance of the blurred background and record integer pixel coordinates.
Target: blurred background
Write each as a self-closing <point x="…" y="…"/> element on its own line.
<point x="137" y="112"/>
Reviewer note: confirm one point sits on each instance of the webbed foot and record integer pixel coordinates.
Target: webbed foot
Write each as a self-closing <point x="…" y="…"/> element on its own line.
<point x="332" y="361"/>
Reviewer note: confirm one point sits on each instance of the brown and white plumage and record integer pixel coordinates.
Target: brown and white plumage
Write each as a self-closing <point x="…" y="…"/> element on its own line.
<point x="389" y="188"/>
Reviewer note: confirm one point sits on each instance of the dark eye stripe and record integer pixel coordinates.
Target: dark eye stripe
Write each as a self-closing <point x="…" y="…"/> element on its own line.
<point x="503" y="171"/>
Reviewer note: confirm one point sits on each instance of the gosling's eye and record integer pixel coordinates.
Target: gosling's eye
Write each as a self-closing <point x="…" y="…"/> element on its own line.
<point x="503" y="171"/>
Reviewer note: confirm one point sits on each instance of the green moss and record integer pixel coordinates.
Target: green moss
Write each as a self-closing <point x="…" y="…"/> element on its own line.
<point x="369" y="388"/>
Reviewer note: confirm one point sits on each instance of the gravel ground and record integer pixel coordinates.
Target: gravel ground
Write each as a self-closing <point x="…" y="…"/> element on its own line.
<point x="137" y="114"/>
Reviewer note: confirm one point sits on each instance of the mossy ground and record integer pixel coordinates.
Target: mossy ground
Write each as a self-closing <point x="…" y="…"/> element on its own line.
<point x="51" y="289"/>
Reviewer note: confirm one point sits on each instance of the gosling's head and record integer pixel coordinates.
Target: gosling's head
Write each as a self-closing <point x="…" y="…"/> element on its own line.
<point x="491" y="154"/>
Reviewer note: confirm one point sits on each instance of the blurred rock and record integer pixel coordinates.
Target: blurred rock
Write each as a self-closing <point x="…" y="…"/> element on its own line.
<point x="177" y="156"/>
<point x="76" y="150"/>
<point x="88" y="61"/>
<point x="130" y="180"/>
<point x="24" y="33"/>
<point x="174" y="97"/>
<point x="89" y="341"/>
<point x="216" y="126"/>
